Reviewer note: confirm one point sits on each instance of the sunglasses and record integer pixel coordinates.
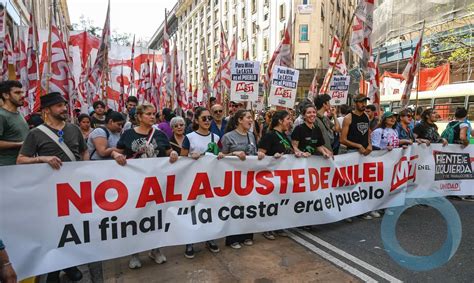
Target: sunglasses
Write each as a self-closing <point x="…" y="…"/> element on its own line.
<point x="178" y="125"/>
<point x="206" y="118"/>
<point x="218" y="111"/>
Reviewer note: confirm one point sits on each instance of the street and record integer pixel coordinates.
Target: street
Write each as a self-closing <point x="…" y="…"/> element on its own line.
<point x="420" y="230"/>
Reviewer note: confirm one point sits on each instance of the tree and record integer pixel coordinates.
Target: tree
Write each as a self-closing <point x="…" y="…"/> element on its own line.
<point x="86" y="24"/>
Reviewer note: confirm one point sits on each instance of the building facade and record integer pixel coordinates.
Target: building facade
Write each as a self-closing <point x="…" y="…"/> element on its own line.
<point x="258" y="26"/>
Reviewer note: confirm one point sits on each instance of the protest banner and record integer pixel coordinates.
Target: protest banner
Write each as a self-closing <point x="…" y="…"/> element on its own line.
<point x="339" y="89"/>
<point x="283" y="87"/>
<point x="97" y="210"/>
<point x="244" y="84"/>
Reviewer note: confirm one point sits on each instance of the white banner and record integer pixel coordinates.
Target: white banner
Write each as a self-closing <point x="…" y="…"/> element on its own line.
<point x="339" y="89"/>
<point x="283" y="87"/>
<point x="98" y="210"/>
<point x="244" y="84"/>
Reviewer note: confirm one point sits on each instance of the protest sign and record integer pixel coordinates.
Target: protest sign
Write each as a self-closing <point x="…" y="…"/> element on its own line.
<point x="97" y="210"/>
<point x="244" y="84"/>
<point x="283" y="87"/>
<point x="339" y="89"/>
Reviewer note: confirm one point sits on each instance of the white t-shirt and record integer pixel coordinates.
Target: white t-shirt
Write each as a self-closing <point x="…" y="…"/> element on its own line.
<point x="196" y="142"/>
<point x="382" y="138"/>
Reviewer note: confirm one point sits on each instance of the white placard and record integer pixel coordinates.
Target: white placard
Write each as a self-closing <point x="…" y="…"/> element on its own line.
<point x="244" y="84"/>
<point x="283" y="87"/>
<point x="339" y="89"/>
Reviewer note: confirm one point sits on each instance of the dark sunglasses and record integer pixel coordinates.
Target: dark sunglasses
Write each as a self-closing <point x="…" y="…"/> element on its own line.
<point x="206" y="118"/>
<point x="218" y="111"/>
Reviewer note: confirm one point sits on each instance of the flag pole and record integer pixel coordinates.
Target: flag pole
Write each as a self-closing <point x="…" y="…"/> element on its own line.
<point x="418" y="69"/>
<point x="343" y="41"/>
<point x="48" y="75"/>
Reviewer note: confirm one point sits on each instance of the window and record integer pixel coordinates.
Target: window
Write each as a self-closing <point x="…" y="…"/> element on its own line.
<point x="265" y="17"/>
<point x="254" y="49"/>
<point x="254" y="6"/>
<point x="303" y="60"/>
<point x="305" y="2"/>
<point x="282" y="12"/>
<point x="304" y="33"/>
<point x="234" y="20"/>
<point x="254" y="27"/>
<point x="447" y="106"/>
<point x="265" y="44"/>
<point x="282" y="33"/>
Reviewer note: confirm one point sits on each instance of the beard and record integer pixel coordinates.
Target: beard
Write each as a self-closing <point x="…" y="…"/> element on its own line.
<point x="61" y="116"/>
<point x="18" y="103"/>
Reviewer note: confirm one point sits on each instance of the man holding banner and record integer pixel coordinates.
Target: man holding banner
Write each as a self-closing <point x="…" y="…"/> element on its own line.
<point x="55" y="142"/>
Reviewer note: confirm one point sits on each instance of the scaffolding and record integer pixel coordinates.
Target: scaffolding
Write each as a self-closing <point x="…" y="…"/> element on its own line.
<point x="396" y="20"/>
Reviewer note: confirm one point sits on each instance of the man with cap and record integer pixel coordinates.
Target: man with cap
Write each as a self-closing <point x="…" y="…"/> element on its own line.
<point x="355" y="128"/>
<point x="356" y="132"/>
<point x="55" y="142"/>
<point x="13" y="127"/>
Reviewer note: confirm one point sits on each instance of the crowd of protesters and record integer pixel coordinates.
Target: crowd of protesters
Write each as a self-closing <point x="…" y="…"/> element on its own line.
<point x="141" y="131"/>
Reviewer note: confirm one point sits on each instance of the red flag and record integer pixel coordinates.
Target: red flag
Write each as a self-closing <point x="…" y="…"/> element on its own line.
<point x="283" y="55"/>
<point x="101" y="61"/>
<point x="374" y="80"/>
<point x="7" y="56"/>
<point x="122" y="90"/>
<point x="33" y="67"/>
<point x="190" y="97"/>
<point x="361" y="31"/>
<point x="410" y="71"/>
<point x="313" y="87"/>
<point x="60" y="76"/>
<point x="167" y="61"/>
<point x="336" y="53"/>
<point x="132" y="69"/>
<point x="222" y="78"/>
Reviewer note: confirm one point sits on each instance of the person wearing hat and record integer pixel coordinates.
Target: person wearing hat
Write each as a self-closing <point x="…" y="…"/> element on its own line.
<point x="385" y="137"/>
<point x="13" y="127"/>
<point x="54" y="142"/>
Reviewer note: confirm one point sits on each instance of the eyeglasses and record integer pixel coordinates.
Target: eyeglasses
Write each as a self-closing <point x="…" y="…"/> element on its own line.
<point x="206" y="118"/>
<point x="61" y="134"/>
<point x="178" y="126"/>
<point x="218" y="111"/>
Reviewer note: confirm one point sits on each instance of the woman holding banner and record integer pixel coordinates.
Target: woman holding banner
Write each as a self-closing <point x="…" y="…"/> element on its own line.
<point x="144" y="141"/>
<point x="306" y="138"/>
<point x="239" y="141"/>
<point x="178" y="125"/>
<point x="276" y="143"/>
<point x="197" y="143"/>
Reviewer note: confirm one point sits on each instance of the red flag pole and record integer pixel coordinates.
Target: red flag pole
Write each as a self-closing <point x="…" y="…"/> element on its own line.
<point x="344" y="38"/>
<point x="418" y="69"/>
<point x="48" y="75"/>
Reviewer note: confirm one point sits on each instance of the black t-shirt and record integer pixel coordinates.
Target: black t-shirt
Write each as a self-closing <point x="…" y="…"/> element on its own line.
<point x="174" y="145"/>
<point x="308" y="138"/>
<point x="95" y="123"/>
<point x="38" y="143"/>
<point x="275" y="142"/>
<point x="427" y="131"/>
<point x="359" y="130"/>
<point x="136" y="145"/>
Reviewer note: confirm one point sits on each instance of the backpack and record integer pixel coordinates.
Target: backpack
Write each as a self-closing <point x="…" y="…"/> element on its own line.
<point x="448" y="133"/>
<point x="106" y="133"/>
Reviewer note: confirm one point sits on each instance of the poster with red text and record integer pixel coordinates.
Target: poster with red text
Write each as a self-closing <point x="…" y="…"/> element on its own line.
<point x="283" y="87"/>
<point x="244" y="84"/>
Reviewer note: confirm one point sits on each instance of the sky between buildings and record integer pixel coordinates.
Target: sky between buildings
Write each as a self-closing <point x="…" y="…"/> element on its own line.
<point x="140" y="17"/>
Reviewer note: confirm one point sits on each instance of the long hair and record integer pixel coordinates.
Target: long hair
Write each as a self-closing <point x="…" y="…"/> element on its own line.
<point x="277" y="116"/>
<point x="234" y="120"/>
<point x="426" y="115"/>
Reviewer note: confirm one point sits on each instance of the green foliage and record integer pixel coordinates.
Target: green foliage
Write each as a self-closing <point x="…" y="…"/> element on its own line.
<point x="124" y="39"/>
